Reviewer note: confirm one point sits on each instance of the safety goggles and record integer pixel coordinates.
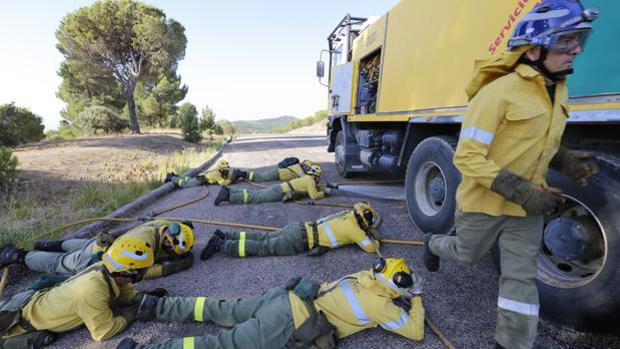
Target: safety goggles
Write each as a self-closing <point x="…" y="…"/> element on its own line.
<point x="568" y="41"/>
<point x="173" y="231"/>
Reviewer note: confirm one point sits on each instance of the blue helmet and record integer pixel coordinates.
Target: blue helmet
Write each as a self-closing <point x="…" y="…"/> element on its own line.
<point x="559" y="25"/>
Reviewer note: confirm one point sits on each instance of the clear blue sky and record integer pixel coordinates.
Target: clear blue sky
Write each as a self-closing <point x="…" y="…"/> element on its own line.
<point x="245" y="59"/>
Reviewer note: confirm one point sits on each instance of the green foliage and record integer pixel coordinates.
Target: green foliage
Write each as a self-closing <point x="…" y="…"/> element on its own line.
<point x="8" y="163"/>
<point x="19" y="125"/>
<point x="98" y="118"/>
<point x="218" y="130"/>
<point x="307" y="121"/>
<point x="189" y="122"/>
<point x="207" y="119"/>
<point x="227" y="127"/>
<point x="158" y="101"/>
<point x="117" y="43"/>
<point x="65" y="131"/>
<point x="262" y="125"/>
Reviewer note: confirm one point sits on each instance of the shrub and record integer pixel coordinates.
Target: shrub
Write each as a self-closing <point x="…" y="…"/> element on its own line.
<point x="190" y="125"/>
<point x="96" y="118"/>
<point x="19" y="125"/>
<point x="8" y="163"/>
<point x="174" y="121"/>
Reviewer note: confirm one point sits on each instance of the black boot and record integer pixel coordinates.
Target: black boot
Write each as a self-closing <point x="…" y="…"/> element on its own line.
<point x="147" y="306"/>
<point x="223" y="195"/>
<point x="126" y="343"/>
<point x="431" y="262"/>
<point x="169" y="176"/>
<point x="9" y="254"/>
<point x="49" y="245"/>
<point x="212" y="247"/>
<point x="219" y="234"/>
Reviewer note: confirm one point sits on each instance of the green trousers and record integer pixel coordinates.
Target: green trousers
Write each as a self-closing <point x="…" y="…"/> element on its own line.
<point x="519" y="240"/>
<point x="264" y="321"/>
<point x="188" y="182"/>
<point x="76" y="257"/>
<point x="271" y="175"/>
<point x="287" y="241"/>
<point x="248" y="196"/>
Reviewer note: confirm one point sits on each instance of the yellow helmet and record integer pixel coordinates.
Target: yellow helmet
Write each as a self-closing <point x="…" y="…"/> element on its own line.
<point x="223" y="165"/>
<point x="128" y="253"/>
<point x="179" y="235"/>
<point x="367" y="214"/>
<point x="306" y="164"/>
<point x="393" y="273"/>
<point x="315" y="170"/>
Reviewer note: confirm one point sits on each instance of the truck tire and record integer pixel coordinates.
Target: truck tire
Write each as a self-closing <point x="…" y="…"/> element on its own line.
<point x="430" y="185"/>
<point x="576" y="292"/>
<point x="339" y="156"/>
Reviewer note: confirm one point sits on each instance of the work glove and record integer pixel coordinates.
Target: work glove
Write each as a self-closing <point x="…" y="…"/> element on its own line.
<point x="129" y="313"/>
<point x="416" y="289"/>
<point x="577" y="164"/>
<point x="105" y="239"/>
<point x="156" y="292"/>
<point x="176" y="265"/>
<point x="235" y="174"/>
<point x="534" y="199"/>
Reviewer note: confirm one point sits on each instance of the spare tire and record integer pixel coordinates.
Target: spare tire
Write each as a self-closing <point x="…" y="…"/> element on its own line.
<point x="430" y="185"/>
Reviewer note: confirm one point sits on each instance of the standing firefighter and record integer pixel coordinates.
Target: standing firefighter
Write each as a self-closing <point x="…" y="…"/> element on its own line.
<point x="171" y="243"/>
<point x="302" y="186"/>
<point x="510" y="136"/>
<point x="340" y="229"/>
<point x="303" y="314"/>
<point x="222" y="174"/>
<point x="287" y="169"/>
<point x="29" y="318"/>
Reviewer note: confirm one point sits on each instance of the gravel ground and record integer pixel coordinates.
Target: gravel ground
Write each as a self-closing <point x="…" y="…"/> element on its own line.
<point x="460" y="300"/>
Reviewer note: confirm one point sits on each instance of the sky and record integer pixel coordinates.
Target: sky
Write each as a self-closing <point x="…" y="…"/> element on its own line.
<point x="246" y="59"/>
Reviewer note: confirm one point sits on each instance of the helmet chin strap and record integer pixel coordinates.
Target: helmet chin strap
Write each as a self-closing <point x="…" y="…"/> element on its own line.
<point x="540" y="65"/>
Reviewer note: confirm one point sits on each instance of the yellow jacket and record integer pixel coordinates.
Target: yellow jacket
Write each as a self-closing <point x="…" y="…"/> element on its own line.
<point x="305" y="184"/>
<point x="83" y="300"/>
<point x="215" y="177"/>
<point x="291" y="172"/>
<point x="338" y="230"/>
<point x="149" y="233"/>
<point x="511" y="124"/>
<point x="358" y="302"/>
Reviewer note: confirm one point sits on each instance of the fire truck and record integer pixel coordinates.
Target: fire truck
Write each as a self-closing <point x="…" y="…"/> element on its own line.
<point x="396" y="102"/>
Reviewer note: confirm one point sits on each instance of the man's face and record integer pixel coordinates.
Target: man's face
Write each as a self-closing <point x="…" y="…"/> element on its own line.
<point x="559" y="61"/>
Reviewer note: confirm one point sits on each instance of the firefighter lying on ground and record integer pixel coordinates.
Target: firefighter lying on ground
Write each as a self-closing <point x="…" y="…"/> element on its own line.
<point x="287" y="169"/>
<point x="298" y="187"/>
<point x="355" y="226"/>
<point x="32" y="318"/>
<point x="302" y="314"/>
<point x="222" y="174"/>
<point x="171" y="242"/>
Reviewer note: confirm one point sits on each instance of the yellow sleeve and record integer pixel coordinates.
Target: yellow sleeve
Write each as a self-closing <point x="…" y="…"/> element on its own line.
<point x="224" y="181"/>
<point x="127" y="292"/>
<point x="153" y="272"/>
<point x="313" y="192"/>
<point x="397" y="320"/>
<point x="478" y="130"/>
<point x="93" y="308"/>
<point x="362" y="240"/>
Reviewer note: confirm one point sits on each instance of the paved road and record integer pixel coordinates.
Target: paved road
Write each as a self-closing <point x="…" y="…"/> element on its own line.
<point x="460" y="300"/>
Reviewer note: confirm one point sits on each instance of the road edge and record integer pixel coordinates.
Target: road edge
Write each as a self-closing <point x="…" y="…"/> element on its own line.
<point x="144" y="200"/>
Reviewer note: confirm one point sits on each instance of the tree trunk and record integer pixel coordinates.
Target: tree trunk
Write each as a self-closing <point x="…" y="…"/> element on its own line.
<point x="131" y="106"/>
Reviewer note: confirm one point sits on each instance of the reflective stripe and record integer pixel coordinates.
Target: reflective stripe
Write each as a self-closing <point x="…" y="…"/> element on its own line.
<point x="188" y="342"/>
<point x="245" y="195"/>
<point x="330" y="234"/>
<point x="477" y="134"/>
<point x="395" y="325"/>
<point x="199" y="307"/>
<point x="355" y="306"/>
<point x="180" y="182"/>
<point x="518" y="307"/>
<point x="242" y="244"/>
<point x="251" y="176"/>
<point x="365" y="242"/>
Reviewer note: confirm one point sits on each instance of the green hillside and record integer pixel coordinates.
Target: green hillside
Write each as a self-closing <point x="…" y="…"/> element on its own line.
<point x="262" y="125"/>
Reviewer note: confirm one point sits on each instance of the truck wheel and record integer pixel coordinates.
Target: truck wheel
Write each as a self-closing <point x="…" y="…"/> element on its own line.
<point x="579" y="260"/>
<point x="339" y="156"/>
<point x="430" y="185"/>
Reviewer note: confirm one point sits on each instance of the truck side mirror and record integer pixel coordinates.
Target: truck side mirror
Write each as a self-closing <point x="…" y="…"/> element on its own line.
<point x="320" y="69"/>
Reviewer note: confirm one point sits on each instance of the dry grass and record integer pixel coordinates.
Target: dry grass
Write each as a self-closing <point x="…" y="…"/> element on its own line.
<point x="31" y="208"/>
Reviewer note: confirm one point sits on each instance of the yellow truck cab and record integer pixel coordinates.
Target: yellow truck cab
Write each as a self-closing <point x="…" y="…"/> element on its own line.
<point x="396" y="101"/>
